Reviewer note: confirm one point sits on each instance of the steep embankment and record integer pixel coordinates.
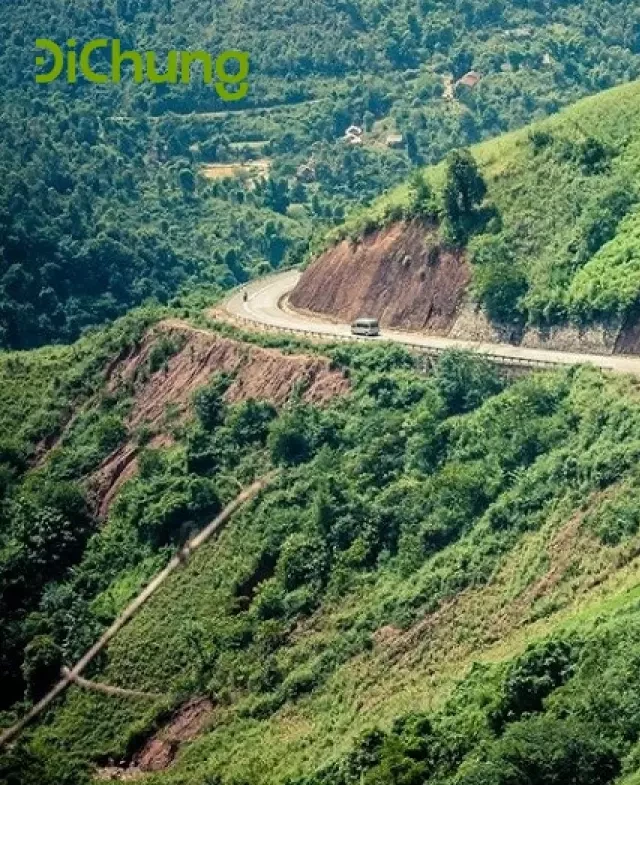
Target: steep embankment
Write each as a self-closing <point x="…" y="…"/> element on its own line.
<point x="172" y="361"/>
<point x="553" y="260"/>
<point x="400" y="275"/>
<point x="120" y="414"/>
<point x="74" y="675"/>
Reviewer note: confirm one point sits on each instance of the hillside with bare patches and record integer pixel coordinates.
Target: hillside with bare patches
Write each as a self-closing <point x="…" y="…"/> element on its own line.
<point x="162" y="396"/>
<point x="401" y="275"/>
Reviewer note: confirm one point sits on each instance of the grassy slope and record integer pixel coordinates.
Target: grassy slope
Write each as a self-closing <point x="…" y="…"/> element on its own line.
<point x="41" y="389"/>
<point x="547" y="202"/>
<point x="487" y="626"/>
<point x="538" y="562"/>
<point x="377" y="687"/>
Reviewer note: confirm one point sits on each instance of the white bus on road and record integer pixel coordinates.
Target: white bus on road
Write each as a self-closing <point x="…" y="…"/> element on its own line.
<point x="366" y="326"/>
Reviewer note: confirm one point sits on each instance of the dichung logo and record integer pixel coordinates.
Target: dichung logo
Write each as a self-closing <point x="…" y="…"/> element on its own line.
<point x="102" y="61"/>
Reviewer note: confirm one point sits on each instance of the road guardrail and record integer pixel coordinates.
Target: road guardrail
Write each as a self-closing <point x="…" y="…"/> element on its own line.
<point x="425" y="349"/>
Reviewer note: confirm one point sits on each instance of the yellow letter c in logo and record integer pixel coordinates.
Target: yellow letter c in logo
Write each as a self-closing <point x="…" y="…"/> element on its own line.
<point x="85" y="61"/>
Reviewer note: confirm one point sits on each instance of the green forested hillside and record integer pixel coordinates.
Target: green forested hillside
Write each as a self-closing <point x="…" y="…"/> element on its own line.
<point x="442" y="581"/>
<point x="555" y="235"/>
<point x="441" y="585"/>
<point x="104" y="203"/>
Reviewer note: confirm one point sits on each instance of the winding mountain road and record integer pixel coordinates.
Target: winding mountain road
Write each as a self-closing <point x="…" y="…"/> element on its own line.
<point x="266" y="306"/>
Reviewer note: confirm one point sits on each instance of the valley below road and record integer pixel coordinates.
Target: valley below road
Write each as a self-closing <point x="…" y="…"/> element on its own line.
<point x="267" y="306"/>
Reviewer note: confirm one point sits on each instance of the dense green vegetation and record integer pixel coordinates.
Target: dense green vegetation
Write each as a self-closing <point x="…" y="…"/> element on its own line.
<point x="441" y="585"/>
<point x="103" y="200"/>
<point x="45" y="519"/>
<point x="441" y="582"/>
<point x="93" y="227"/>
<point x="554" y="235"/>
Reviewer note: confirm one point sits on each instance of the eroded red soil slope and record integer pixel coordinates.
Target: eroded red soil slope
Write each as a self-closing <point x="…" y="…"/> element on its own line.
<point x="165" y="395"/>
<point x="401" y="276"/>
<point x="160" y="749"/>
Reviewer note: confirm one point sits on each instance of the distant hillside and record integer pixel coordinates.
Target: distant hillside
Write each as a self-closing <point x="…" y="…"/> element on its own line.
<point x="559" y="242"/>
<point x="107" y="196"/>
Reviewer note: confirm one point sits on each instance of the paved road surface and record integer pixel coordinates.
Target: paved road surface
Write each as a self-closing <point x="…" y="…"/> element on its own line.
<point x="267" y="304"/>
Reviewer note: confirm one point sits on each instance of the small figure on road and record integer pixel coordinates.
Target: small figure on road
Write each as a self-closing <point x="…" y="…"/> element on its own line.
<point x="245" y="296"/>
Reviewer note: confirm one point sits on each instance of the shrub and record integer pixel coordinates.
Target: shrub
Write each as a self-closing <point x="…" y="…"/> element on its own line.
<point x="41" y="666"/>
<point x="543" y="751"/>
<point x="296" y="435"/>
<point x="422" y="201"/>
<point x="110" y="432"/>
<point x="299" y="682"/>
<point x="531" y="678"/>
<point x="249" y="422"/>
<point x="162" y="350"/>
<point x="617" y="519"/>
<point x="498" y="284"/>
<point x="304" y="559"/>
<point x="209" y="404"/>
<point x="465" y="381"/>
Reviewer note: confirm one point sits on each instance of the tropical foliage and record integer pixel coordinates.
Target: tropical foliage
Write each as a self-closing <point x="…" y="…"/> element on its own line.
<point x="418" y="525"/>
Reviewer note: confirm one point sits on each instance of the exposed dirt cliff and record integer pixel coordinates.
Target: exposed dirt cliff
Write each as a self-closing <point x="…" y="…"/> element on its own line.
<point x="628" y="341"/>
<point x="160" y="749"/>
<point x="163" y="396"/>
<point x="401" y="276"/>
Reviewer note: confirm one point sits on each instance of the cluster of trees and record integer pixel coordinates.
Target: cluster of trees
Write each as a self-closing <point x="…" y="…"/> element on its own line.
<point x="563" y="712"/>
<point x="520" y="724"/>
<point x="552" y="237"/>
<point x="331" y="41"/>
<point x="459" y="209"/>
<point x="92" y="224"/>
<point x="45" y="517"/>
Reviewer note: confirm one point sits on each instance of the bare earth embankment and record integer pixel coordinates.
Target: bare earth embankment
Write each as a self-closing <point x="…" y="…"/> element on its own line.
<point x="400" y="275"/>
<point x="163" y="396"/>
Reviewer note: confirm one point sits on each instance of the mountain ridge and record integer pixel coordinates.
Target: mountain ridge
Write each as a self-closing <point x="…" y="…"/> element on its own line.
<point x="557" y="263"/>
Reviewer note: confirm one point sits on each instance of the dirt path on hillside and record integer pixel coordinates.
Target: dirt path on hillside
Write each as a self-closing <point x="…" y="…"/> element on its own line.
<point x="108" y="689"/>
<point x="71" y="675"/>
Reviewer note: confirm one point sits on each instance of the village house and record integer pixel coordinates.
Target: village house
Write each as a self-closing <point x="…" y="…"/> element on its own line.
<point x="353" y="135"/>
<point x="469" y="80"/>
